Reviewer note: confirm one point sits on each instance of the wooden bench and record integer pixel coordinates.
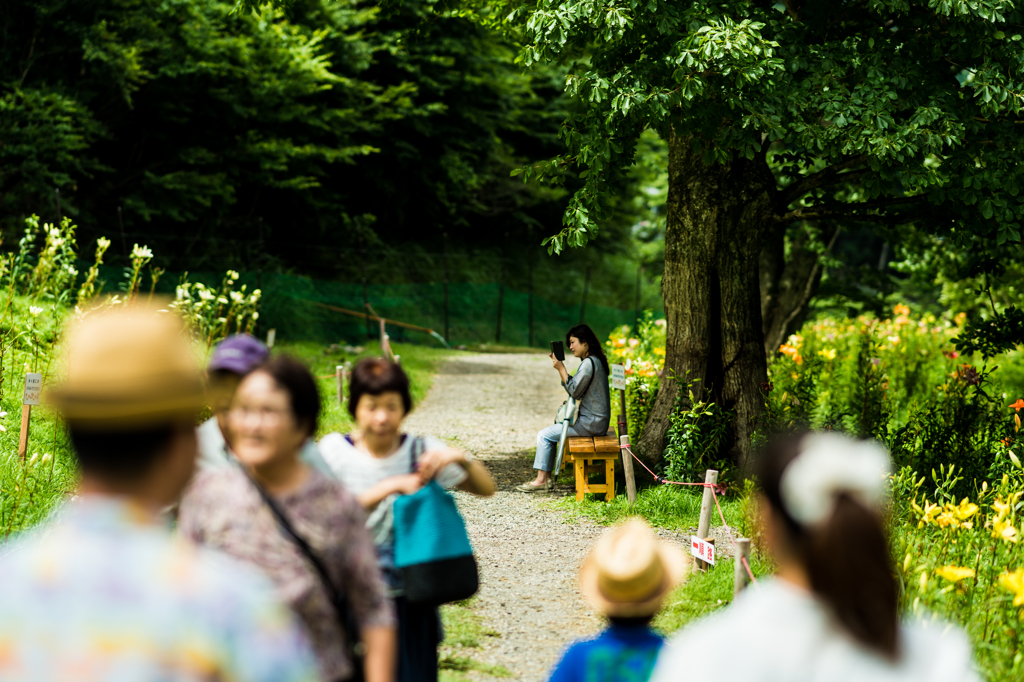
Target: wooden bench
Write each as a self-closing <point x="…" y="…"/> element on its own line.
<point x="593" y="455"/>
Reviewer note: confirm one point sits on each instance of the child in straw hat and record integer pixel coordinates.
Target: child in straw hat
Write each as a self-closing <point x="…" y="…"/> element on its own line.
<point x="626" y="577"/>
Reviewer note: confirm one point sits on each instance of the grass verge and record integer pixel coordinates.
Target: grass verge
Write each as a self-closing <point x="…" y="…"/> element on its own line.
<point x="676" y="508"/>
<point x="463" y="632"/>
<point x="419" y="362"/>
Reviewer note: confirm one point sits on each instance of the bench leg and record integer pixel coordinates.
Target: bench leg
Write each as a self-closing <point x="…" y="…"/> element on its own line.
<point x="609" y="477"/>
<point x="580" y="470"/>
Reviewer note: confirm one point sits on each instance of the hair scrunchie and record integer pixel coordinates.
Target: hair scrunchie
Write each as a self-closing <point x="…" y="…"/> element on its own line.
<point x="828" y="465"/>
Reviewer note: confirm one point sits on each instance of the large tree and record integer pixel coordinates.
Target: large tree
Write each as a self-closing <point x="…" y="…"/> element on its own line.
<point x="807" y="114"/>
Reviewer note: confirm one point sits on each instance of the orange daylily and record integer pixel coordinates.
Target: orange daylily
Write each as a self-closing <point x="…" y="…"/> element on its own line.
<point x="1017" y="405"/>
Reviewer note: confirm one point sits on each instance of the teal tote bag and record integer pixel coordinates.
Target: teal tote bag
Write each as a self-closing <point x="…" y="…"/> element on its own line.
<point x="432" y="548"/>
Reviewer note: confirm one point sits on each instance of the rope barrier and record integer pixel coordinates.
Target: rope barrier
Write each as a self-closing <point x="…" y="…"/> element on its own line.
<point x="714" y="495"/>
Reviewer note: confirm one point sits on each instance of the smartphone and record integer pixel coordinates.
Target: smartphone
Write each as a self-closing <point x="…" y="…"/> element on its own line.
<point x="558" y="349"/>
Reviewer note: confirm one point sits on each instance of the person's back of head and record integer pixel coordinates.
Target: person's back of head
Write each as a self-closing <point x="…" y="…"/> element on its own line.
<point x="131" y="392"/>
<point x="826" y="492"/>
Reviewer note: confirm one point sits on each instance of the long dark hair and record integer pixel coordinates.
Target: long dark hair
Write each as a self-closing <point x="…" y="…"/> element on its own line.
<point x="585" y="334"/>
<point x="847" y="558"/>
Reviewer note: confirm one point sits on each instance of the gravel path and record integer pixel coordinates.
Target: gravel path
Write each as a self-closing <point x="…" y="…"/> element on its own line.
<point x="493" y="405"/>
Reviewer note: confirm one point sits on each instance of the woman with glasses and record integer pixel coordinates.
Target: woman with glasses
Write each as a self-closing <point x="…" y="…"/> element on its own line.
<point x="273" y="413"/>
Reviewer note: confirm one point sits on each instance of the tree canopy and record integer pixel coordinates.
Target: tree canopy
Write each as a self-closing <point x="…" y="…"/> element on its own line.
<point x="248" y="138"/>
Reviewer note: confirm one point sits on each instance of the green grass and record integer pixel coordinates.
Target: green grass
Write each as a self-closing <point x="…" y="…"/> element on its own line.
<point x="677" y="508"/>
<point x="704" y="593"/>
<point x="30" y="489"/>
<point x="419" y="362"/>
<point x="664" y="506"/>
<point x="464" y="629"/>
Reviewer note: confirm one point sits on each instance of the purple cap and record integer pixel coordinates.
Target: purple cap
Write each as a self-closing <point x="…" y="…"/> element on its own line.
<point x="238" y="353"/>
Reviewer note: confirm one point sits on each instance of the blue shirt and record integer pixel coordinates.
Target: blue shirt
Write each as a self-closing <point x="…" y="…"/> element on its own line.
<point x="620" y="653"/>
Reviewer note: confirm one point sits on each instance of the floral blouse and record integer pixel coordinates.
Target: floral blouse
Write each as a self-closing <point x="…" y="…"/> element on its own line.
<point x="222" y="509"/>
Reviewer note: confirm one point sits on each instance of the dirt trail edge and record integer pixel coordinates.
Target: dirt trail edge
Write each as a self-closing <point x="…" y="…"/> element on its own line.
<point x="492" y="405"/>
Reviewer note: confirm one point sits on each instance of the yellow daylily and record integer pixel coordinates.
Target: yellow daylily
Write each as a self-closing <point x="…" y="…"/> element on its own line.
<point x="1014" y="582"/>
<point x="829" y="354"/>
<point x="965" y="510"/>
<point x="1004" y="530"/>
<point x="954" y="574"/>
<point x="928" y="514"/>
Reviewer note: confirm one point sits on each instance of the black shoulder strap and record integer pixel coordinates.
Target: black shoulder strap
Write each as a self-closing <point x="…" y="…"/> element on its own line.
<point x="417" y="450"/>
<point x="338" y="598"/>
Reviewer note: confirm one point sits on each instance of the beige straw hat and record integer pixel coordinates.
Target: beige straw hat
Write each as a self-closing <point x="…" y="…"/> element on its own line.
<point x="630" y="572"/>
<point x="127" y="368"/>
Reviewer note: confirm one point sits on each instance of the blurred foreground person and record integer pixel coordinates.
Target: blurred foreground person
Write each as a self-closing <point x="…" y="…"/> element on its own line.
<point x="377" y="463"/>
<point x="830" y="614"/>
<point x="232" y="359"/>
<point x="274" y="412"/>
<point x="626" y="577"/>
<point x="103" y="593"/>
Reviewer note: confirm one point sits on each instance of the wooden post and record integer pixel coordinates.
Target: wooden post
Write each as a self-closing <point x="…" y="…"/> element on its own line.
<point x="26" y="414"/>
<point x="33" y="389"/>
<point x="627" y="469"/>
<point x="340" y="377"/>
<point x="740" y="577"/>
<point x="704" y="525"/>
<point x="271" y="338"/>
<point x="623" y="425"/>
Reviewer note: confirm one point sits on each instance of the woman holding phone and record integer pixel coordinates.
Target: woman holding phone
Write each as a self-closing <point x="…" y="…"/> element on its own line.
<point x="589" y="386"/>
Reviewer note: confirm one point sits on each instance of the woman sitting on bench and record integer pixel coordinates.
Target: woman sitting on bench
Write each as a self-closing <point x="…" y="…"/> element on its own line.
<point x="589" y="386"/>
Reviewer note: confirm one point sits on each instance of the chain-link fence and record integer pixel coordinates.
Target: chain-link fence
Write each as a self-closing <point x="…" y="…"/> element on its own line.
<point x="466" y="297"/>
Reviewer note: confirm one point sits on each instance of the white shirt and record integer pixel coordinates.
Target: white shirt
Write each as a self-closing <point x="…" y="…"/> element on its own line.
<point x="781" y="633"/>
<point x="359" y="471"/>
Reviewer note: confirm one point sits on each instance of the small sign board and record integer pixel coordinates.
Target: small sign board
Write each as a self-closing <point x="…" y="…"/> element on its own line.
<point x="703" y="550"/>
<point x="619" y="377"/>
<point x="33" y="388"/>
<point x="271" y="337"/>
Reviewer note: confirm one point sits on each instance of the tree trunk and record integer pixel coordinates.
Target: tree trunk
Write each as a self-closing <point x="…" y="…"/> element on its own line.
<point x="787" y="285"/>
<point x="718" y="219"/>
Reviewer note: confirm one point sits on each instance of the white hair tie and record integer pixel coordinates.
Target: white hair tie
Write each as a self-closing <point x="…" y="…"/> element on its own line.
<point x="828" y="465"/>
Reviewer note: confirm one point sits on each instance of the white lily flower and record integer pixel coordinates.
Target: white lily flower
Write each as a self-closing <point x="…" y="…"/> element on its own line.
<point x="35" y="310"/>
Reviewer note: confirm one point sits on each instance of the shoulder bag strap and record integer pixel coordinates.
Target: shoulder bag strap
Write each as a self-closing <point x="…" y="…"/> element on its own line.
<point x="338" y="599"/>
<point x="417" y="450"/>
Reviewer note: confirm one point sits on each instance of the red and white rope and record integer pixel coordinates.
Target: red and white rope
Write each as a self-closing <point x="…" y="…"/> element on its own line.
<point x="714" y="494"/>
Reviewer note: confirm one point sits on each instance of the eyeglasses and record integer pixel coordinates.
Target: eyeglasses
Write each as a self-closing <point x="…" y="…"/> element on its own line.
<point x="266" y="415"/>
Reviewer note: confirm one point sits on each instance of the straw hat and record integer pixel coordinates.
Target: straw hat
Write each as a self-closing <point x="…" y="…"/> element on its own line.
<point x="128" y="368"/>
<point x="630" y="572"/>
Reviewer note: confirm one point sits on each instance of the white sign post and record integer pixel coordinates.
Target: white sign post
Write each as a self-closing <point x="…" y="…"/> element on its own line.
<point x="702" y="549"/>
<point x="619" y="384"/>
<point x="271" y="337"/>
<point x="618" y="377"/>
<point x="33" y="391"/>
